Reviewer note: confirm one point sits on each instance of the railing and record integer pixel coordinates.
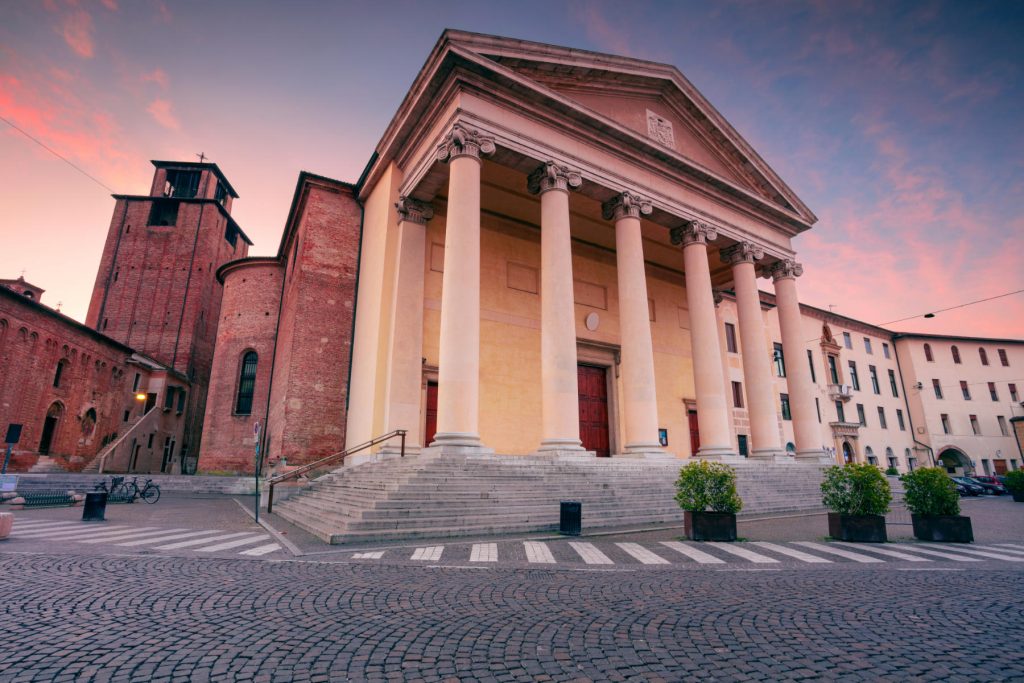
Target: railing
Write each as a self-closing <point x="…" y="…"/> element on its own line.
<point x="339" y="457"/>
<point x="112" y="448"/>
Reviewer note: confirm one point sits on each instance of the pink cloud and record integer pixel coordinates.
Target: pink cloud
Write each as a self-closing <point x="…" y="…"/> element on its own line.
<point x="161" y="111"/>
<point x="158" y="76"/>
<point x="77" y="30"/>
<point x="110" y="4"/>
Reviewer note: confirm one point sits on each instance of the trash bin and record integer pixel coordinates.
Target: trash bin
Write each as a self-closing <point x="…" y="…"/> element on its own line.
<point x="571" y="518"/>
<point x="95" y="506"/>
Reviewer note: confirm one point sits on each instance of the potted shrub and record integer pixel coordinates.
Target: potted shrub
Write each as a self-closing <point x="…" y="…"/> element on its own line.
<point x="934" y="506"/>
<point x="1015" y="484"/>
<point x="858" y="497"/>
<point x="706" y="491"/>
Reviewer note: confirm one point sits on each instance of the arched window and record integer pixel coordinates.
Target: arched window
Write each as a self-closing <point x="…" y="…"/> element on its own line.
<point x="956" y="355"/>
<point x="984" y="356"/>
<point x="928" y="353"/>
<point x="60" y="371"/>
<point x="790" y="447"/>
<point x="246" y="384"/>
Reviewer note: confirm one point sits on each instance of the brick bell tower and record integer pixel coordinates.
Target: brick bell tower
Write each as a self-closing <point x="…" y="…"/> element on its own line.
<point x="156" y="288"/>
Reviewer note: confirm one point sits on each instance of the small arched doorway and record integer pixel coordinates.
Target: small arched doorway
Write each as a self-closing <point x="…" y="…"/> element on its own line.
<point x="50" y="423"/>
<point x="847" y="452"/>
<point x="955" y="461"/>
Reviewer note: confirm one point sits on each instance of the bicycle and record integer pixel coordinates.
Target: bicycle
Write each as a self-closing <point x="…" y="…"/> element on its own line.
<point x="150" y="492"/>
<point x="116" y="485"/>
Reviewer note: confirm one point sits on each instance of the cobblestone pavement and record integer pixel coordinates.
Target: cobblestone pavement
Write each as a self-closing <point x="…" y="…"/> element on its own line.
<point x="160" y="618"/>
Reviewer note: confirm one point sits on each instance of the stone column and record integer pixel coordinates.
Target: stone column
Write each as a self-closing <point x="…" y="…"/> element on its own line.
<point x="458" y="391"/>
<point x="806" y="435"/>
<point x="405" y="348"/>
<point x="708" y="378"/>
<point x="639" y="399"/>
<point x="560" y="393"/>
<point x="757" y="370"/>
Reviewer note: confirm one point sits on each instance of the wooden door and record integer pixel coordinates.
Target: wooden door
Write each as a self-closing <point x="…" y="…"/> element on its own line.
<point x="694" y="432"/>
<point x="49" y="426"/>
<point x="1000" y="466"/>
<point x="431" y="427"/>
<point x="593" y="395"/>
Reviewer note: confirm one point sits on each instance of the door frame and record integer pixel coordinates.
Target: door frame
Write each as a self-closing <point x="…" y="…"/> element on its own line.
<point x="429" y="374"/>
<point x="605" y="356"/>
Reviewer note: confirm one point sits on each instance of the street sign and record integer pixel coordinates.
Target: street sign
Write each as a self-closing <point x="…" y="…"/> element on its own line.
<point x="8" y="483"/>
<point x="13" y="433"/>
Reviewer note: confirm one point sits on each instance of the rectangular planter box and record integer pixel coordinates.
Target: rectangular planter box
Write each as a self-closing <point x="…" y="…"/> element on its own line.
<point x="1018" y="496"/>
<point x="710" y="526"/>
<point x="947" y="528"/>
<point x="857" y="528"/>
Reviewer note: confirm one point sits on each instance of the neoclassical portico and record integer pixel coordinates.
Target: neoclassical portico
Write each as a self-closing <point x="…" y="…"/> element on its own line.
<point x="539" y="228"/>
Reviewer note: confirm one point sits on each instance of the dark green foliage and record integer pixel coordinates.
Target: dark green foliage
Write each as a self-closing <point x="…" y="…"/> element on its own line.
<point x="856" y="489"/>
<point x="708" y="486"/>
<point x="930" y="492"/>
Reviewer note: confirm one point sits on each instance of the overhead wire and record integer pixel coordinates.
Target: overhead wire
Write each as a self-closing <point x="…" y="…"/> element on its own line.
<point x="58" y="155"/>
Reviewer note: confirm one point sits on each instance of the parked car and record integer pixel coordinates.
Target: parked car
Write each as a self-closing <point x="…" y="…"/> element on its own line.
<point x="962" y="490"/>
<point x="973" y="489"/>
<point x="991" y="484"/>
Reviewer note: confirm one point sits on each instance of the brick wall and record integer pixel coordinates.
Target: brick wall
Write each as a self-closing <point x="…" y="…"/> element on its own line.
<point x="248" y="322"/>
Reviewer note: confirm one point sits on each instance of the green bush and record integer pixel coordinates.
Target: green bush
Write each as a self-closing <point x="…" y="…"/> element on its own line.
<point x="708" y="486"/>
<point x="1015" y="481"/>
<point x="892" y="472"/>
<point x="930" y="492"/>
<point x="856" y="489"/>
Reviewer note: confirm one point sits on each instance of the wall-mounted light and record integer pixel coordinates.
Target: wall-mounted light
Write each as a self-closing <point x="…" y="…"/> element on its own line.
<point x="140" y="396"/>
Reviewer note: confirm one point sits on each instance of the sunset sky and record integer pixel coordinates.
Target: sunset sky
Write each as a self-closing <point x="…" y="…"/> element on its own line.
<point x="899" y="124"/>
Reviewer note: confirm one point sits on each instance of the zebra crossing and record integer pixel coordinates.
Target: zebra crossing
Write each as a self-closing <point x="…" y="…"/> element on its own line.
<point x="248" y="543"/>
<point x="667" y="553"/>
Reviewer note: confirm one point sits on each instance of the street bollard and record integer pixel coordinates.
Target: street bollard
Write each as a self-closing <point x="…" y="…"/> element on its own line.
<point x="571" y="518"/>
<point x="95" y="506"/>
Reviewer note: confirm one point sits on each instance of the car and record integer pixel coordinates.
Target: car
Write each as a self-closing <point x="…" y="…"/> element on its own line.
<point x="991" y="484"/>
<point x="962" y="490"/>
<point x="973" y="489"/>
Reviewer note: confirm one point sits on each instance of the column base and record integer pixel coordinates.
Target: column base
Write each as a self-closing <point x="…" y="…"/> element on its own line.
<point x="388" y="452"/>
<point x="395" y="450"/>
<point x="456" y="443"/>
<point x="560" y="445"/>
<point x="648" y="453"/>
<point x="719" y="453"/>
<point x="767" y="454"/>
<point x="815" y="456"/>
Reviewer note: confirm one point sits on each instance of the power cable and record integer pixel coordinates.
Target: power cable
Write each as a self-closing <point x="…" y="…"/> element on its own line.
<point x="58" y="155"/>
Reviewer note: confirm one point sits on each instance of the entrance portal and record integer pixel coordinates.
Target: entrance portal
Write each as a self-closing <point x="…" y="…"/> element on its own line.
<point x="955" y="462"/>
<point x="847" y="452"/>
<point x="593" y="393"/>
<point x="49" y="428"/>
<point x="431" y="426"/>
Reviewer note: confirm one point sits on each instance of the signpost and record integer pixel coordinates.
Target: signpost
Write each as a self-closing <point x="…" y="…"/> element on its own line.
<point x="256" y="468"/>
<point x="13" y="436"/>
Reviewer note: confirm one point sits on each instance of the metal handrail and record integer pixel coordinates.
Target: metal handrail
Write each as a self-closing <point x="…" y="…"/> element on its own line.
<point x="340" y="456"/>
<point x="113" y="446"/>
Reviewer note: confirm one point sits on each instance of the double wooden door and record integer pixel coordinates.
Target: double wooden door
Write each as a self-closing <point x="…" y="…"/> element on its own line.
<point x="593" y="395"/>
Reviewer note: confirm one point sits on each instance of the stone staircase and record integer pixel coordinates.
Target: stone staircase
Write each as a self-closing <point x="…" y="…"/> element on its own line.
<point x="446" y="496"/>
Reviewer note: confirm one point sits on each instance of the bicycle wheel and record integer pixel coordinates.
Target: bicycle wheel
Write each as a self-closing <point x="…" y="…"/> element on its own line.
<point x="150" y="494"/>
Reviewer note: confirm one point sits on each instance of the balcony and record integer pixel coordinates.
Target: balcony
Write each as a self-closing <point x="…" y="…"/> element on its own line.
<point x="840" y="392"/>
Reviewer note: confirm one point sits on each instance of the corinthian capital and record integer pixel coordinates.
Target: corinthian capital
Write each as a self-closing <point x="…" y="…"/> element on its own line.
<point x="414" y="211"/>
<point x="552" y="176"/>
<point x="786" y="268"/>
<point x="693" y="232"/>
<point x="744" y="252"/>
<point x="462" y="141"/>
<point x="625" y="205"/>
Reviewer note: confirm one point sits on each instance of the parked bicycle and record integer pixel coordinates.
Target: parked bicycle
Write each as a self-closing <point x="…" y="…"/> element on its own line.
<point x="149" y="492"/>
<point x="117" y="486"/>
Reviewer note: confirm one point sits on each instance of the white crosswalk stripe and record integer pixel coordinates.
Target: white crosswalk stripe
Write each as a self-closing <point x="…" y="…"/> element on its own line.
<point x="981" y="553"/>
<point x="826" y="548"/>
<point x="750" y="555"/>
<point x="237" y="543"/>
<point x="938" y="553"/>
<point x="37" y="524"/>
<point x="374" y="555"/>
<point x="1010" y="545"/>
<point x="91" y="532"/>
<point x="484" y="552"/>
<point x="590" y="554"/>
<point x="261" y="550"/>
<point x="690" y="551"/>
<point x="1004" y="548"/>
<point x="135" y="533"/>
<point x="538" y="553"/>
<point x="792" y="552"/>
<point x="888" y="552"/>
<point x="431" y="553"/>
<point x="641" y="553"/>
<point x="201" y="541"/>
<point x="171" y="537"/>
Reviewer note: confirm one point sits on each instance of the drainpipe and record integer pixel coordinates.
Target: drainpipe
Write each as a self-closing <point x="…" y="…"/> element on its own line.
<point x="906" y="402"/>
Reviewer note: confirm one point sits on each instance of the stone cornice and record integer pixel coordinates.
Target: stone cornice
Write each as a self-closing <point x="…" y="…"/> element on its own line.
<point x="414" y="211"/>
<point x="786" y="268"/>
<point x="464" y="142"/>
<point x="693" y="232"/>
<point x="626" y="205"/>
<point x="553" y="176"/>
<point x="744" y="252"/>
